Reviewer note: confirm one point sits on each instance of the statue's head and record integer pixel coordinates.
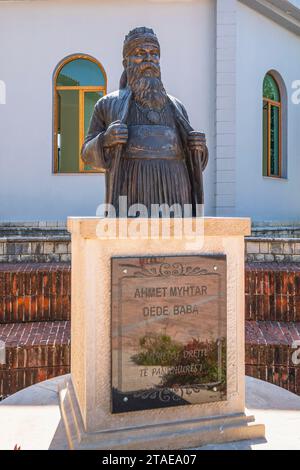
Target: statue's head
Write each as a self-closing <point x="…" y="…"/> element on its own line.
<point x="141" y="60"/>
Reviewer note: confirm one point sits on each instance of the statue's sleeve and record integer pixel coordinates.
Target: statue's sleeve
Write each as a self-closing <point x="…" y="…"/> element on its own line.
<point x="93" y="152"/>
<point x="204" y="153"/>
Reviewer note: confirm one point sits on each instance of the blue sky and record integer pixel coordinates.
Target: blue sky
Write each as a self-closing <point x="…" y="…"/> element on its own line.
<point x="295" y="2"/>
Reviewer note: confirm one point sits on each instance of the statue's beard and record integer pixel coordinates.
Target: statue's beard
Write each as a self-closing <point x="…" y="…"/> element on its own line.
<point x="146" y="85"/>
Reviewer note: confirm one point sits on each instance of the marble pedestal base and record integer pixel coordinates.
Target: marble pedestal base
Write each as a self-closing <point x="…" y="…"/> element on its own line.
<point x="86" y="400"/>
<point x="163" y="436"/>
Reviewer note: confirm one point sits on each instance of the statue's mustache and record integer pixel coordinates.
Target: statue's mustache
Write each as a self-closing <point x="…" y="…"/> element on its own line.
<point x="147" y="66"/>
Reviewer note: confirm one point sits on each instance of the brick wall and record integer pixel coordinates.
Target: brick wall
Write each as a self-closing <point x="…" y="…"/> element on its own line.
<point x="35" y="306"/>
<point x="34" y="352"/>
<point x="272" y="292"/>
<point x="272" y="312"/>
<point x="35" y="292"/>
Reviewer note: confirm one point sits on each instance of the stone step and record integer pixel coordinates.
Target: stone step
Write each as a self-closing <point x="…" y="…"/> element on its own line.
<point x="272" y="353"/>
<point x="276" y="229"/>
<point x="34" y="242"/>
<point x="35" y="249"/>
<point x="32" y="352"/>
<point x="272" y="292"/>
<point x="35" y="292"/>
<point x="273" y="249"/>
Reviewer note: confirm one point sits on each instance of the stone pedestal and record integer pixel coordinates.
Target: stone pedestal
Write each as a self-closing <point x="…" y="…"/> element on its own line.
<point x="86" y="400"/>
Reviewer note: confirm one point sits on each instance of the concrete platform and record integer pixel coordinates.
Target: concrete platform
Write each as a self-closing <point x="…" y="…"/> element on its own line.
<point x="31" y="418"/>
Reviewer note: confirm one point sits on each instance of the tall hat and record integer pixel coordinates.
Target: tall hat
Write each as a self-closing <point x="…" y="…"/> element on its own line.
<point x="138" y="36"/>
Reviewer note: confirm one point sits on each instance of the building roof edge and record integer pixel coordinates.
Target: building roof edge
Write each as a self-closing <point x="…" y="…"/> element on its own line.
<point x="283" y="12"/>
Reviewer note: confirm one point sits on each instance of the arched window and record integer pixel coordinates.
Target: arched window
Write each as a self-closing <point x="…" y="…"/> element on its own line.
<point x="272" y="128"/>
<point x="79" y="82"/>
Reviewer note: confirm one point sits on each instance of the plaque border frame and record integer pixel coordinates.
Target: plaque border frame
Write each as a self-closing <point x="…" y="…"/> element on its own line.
<point x="216" y="256"/>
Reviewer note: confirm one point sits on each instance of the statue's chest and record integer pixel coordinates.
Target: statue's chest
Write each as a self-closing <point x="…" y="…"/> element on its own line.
<point x="153" y="141"/>
<point x="152" y="134"/>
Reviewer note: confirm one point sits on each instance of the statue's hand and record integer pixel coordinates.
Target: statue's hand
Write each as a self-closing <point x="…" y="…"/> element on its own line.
<point x="196" y="141"/>
<point x="115" y="134"/>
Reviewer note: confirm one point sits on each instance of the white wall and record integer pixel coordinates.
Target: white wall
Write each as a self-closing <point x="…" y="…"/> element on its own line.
<point x="35" y="36"/>
<point x="262" y="46"/>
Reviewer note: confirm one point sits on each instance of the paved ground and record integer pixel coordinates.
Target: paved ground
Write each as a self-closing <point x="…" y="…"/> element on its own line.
<point x="278" y="409"/>
<point x="31" y="418"/>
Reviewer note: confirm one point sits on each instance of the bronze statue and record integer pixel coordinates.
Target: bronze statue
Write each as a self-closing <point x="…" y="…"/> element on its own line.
<point x="141" y="137"/>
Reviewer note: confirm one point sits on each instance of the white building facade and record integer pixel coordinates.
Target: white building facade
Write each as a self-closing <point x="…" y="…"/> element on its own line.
<point x="215" y="56"/>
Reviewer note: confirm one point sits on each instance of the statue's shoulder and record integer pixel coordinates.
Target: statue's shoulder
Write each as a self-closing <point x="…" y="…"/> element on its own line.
<point x="177" y="103"/>
<point x="111" y="98"/>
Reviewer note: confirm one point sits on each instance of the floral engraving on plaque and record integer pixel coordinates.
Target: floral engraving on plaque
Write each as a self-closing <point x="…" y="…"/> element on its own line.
<point x="168" y="270"/>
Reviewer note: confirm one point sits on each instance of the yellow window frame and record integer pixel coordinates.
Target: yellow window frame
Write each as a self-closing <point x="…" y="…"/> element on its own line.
<point x="277" y="104"/>
<point x="81" y="90"/>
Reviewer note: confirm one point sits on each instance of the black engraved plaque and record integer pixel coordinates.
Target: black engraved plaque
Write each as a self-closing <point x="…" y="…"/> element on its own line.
<point x="168" y="331"/>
